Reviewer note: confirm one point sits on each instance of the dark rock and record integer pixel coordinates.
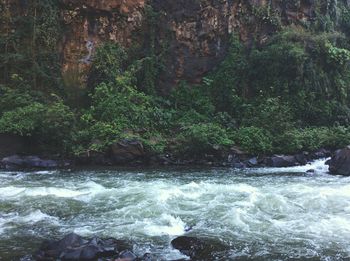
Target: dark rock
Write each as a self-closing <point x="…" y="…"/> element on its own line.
<point x="321" y="153"/>
<point x="126" y="151"/>
<point x="33" y="162"/>
<point x="73" y="247"/>
<point x="239" y="165"/>
<point x="189" y="246"/>
<point x="197" y="249"/>
<point x="146" y="257"/>
<point x="70" y="254"/>
<point x="253" y="162"/>
<point x="279" y="161"/>
<point x="301" y="158"/>
<point x="310" y="171"/>
<point x="93" y="158"/>
<point x="340" y="162"/>
<point x="127" y="256"/>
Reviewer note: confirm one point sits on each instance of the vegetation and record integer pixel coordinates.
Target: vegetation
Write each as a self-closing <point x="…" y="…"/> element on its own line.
<point x="289" y="94"/>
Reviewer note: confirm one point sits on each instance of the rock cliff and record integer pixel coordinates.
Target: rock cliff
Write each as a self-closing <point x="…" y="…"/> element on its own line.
<point x="193" y="34"/>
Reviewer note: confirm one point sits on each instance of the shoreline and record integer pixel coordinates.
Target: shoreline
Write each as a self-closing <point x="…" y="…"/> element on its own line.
<point x="231" y="160"/>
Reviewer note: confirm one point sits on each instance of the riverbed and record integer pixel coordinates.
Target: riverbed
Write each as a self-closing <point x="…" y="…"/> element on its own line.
<point x="255" y="214"/>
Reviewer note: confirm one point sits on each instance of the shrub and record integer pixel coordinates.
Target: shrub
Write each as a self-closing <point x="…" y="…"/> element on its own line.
<point x="203" y="138"/>
<point x="254" y="140"/>
<point x="312" y="138"/>
<point x="51" y="125"/>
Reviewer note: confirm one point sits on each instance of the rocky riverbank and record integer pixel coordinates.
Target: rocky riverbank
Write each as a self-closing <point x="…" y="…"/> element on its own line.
<point x="132" y="153"/>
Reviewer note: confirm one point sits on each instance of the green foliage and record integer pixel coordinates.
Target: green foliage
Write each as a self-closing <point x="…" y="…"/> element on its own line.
<point x="270" y="114"/>
<point x="311" y="139"/>
<point x="203" y="138"/>
<point x="228" y="83"/>
<point x="287" y="94"/>
<point x="108" y="63"/>
<point x="28" y="45"/>
<point x="254" y="140"/>
<point x="51" y="125"/>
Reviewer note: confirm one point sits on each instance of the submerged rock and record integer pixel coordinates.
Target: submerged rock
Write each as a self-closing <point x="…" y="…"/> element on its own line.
<point x="339" y="164"/>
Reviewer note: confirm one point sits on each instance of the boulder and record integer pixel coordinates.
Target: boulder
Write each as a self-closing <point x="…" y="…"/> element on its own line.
<point x="197" y="249"/>
<point x="321" y="153"/>
<point x="73" y="247"/>
<point x="279" y="161"/>
<point x="253" y="162"/>
<point x="127" y="150"/>
<point x="127" y="255"/>
<point x="301" y="158"/>
<point x="34" y="162"/>
<point x="339" y="164"/>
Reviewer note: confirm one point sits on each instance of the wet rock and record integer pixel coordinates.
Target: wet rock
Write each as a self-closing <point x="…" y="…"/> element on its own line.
<point x="73" y="247"/>
<point x="279" y="161"/>
<point x="33" y="162"/>
<point x="189" y="246"/>
<point x="127" y="150"/>
<point x="15" y="161"/>
<point x="197" y="249"/>
<point x="253" y="162"/>
<point x="311" y="171"/>
<point x="301" y="158"/>
<point x="146" y="257"/>
<point x="239" y="165"/>
<point x="340" y="162"/>
<point x="127" y="255"/>
<point x="321" y="153"/>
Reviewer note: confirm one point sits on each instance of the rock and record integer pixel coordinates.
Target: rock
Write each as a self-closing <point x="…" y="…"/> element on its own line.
<point x="279" y="161"/>
<point x="310" y="171"/>
<point x="33" y="162"/>
<point x="189" y="246"/>
<point x="301" y="158"/>
<point x="253" y="162"/>
<point x="196" y="249"/>
<point x="127" y="255"/>
<point x="321" y="153"/>
<point x="73" y="247"/>
<point x="93" y="158"/>
<point x="239" y="165"/>
<point x="340" y="162"/>
<point x="127" y="150"/>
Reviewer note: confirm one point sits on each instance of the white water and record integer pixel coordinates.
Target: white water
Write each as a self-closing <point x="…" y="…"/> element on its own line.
<point x="258" y="214"/>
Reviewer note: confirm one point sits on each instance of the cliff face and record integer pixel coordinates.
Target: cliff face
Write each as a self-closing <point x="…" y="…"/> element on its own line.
<point x="195" y="33"/>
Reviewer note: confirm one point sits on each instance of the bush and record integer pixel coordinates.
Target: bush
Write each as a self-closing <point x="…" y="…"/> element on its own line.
<point x="203" y="138"/>
<point x="270" y="114"/>
<point x="254" y="140"/>
<point x="51" y="125"/>
<point x="311" y="139"/>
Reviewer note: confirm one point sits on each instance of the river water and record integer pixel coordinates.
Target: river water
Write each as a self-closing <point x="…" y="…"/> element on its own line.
<point x="257" y="214"/>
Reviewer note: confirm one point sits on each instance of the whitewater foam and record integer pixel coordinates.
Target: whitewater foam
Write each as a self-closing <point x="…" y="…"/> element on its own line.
<point x="270" y="217"/>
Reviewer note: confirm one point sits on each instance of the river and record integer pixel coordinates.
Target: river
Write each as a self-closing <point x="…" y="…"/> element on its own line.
<point x="257" y="214"/>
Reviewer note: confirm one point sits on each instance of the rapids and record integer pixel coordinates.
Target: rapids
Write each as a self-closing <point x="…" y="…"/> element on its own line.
<point x="257" y="214"/>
